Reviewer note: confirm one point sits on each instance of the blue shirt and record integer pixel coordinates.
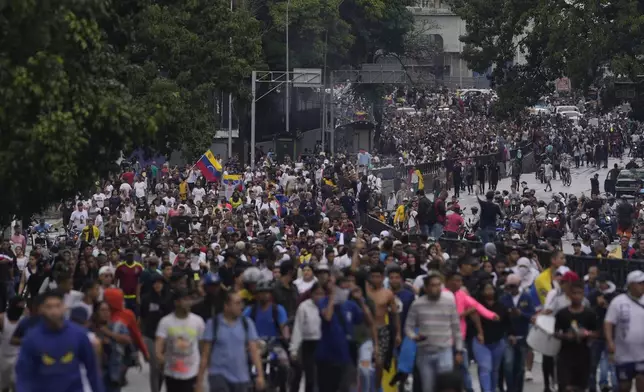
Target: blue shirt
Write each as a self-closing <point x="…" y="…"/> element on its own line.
<point x="333" y="346"/>
<point x="264" y="320"/>
<point x="42" y="228"/>
<point x="229" y="355"/>
<point x="519" y="325"/>
<point x="406" y="297"/>
<point x="50" y="360"/>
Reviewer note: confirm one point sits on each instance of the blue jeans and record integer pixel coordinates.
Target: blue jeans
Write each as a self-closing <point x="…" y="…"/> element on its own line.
<point x="424" y="229"/>
<point x="430" y="364"/>
<point x="514" y="365"/>
<point x="487" y="234"/>
<point x="488" y="358"/>
<point x="598" y="357"/>
<point x="437" y="230"/>
<point x="464" y="369"/>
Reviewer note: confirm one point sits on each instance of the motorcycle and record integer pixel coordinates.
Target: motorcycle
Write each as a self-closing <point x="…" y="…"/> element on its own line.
<point x="606" y="225"/>
<point x="554" y="219"/>
<point x="275" y="361"/>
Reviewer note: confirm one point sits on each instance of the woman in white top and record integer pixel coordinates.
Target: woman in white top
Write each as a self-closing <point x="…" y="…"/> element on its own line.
<point x="307" y="280"/>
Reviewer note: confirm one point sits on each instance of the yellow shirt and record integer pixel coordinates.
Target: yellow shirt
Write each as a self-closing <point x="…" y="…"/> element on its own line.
<point x="183" y="189"/>
<point x="399" y="217"/>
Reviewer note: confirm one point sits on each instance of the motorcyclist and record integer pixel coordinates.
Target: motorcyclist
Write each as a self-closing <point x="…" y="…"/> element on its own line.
<point x="527" y="213"/>
<point x="250" y="278"/>
<point x="593" y="229"/>
<point x="632" y="164"/>
<point x="42" y="227"/>
<point x="554" y="207"/>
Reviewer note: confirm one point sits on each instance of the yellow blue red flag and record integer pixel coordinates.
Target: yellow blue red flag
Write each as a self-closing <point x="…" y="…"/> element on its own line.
<point x="209" y="166"/>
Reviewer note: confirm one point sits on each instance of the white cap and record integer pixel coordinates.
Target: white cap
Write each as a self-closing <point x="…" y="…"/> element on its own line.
<point x="280" y="249"/>
<point x="562" y="270"/>
<point x="384" y="233"/>
<point x="635" y="277"/>
<point x="106" y="269"/>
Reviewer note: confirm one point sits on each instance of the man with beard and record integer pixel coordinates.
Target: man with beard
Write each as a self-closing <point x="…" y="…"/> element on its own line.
<point x="433" y="322"/>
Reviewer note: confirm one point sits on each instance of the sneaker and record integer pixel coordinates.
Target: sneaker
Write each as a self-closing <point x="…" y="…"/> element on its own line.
<point x="528" y="375"/>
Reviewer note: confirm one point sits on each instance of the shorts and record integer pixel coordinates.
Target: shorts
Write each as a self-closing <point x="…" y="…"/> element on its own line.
<point x="7" y="372"/>
<point x="628" y="371"/>
<point x="572" y="373"/>
<point x="384" y="341"/>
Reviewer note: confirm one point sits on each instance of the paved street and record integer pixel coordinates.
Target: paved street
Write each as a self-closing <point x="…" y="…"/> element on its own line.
<point x="138" y="381"/>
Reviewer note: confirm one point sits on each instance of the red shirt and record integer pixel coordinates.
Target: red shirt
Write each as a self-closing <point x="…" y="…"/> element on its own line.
<point x="128" y="277"/>
<point x="453" y="222"/>
<point x="129" y="177"/>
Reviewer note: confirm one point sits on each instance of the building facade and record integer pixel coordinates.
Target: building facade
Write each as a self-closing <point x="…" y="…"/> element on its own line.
<point x="434" y="18"/>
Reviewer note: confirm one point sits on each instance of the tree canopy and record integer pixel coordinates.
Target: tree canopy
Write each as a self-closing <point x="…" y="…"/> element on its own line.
<point x="176" y="55"/>
<point x="65" y="117"/>
<point x="579" y="39"/>
<point x="83" y="80"/>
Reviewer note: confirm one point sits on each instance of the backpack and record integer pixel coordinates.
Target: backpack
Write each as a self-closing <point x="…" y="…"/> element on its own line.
<point x="253" y="316"/>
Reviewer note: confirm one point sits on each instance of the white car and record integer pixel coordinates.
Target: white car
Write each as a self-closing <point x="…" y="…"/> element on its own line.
<point x="407" y="111"/>
<point x="572" y="114"/>
<point x="539" y="111"/>
<point x="560" y="109"/>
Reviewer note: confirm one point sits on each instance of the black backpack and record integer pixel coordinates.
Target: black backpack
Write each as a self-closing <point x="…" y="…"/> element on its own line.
<point x="253" y="316"/>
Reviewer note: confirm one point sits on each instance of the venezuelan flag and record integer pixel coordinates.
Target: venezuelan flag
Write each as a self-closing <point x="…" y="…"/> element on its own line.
<point x="209" y="166"/>
<point x="236" y="181"/>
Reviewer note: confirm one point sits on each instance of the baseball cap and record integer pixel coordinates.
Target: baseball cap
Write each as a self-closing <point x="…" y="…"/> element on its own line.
<point x="635" y="277"/>
<point x="570" y="276"/>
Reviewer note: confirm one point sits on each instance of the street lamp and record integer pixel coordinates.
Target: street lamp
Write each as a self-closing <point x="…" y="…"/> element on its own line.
<point x="288" y="70"/>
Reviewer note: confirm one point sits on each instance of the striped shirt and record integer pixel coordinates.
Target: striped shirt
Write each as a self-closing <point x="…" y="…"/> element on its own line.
<point x="437" y="320"/>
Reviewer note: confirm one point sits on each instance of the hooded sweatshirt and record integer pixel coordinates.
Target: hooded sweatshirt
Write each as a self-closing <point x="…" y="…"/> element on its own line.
<point x="50" y="360"/>
<point x="526" y="273"/>
<point x="114" y="298"/>
<point x="464" y="302"/>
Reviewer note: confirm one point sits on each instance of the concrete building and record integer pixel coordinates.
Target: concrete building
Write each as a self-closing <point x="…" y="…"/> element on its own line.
<point x="434" y="18"/>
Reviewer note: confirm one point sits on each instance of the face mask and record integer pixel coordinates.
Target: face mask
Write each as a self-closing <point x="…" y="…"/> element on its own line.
<point x="341" y="295"/>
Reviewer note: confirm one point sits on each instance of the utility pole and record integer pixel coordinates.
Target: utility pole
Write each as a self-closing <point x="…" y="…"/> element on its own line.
<point x="288" y="78"/>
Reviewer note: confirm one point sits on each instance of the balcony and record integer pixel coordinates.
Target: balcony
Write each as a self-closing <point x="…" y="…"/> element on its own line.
<point x="430" y="8"/>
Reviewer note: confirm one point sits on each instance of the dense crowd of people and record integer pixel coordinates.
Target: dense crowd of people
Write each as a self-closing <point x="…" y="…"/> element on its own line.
<point x="275" y="280"/>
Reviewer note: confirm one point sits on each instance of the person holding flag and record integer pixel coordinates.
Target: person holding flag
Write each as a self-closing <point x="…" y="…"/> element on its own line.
<point x="209" y="167"/>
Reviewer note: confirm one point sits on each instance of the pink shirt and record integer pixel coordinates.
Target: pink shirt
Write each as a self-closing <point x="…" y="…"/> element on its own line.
<point x="19" y="240"/>
<point x="464" y="302"/>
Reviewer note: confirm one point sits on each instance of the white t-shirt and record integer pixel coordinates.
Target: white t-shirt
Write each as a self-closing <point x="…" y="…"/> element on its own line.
<point x="182" y="338"/>
<point x="140" y="188"/>
<point x="198" y="194"/>
<point x="628" y="318"/>
<point x="78" y="219"/>
<point x="125" y="188"/>
<point x="99" y="198"/>
<point x="169" y="201"/>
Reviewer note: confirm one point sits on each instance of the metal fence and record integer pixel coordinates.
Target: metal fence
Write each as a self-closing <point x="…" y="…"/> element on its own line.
<point x="396" y="171"/>
<point x="617" y="269"/>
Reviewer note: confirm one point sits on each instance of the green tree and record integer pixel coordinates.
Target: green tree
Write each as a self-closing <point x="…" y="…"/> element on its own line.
<point x="350" y="32"/>
<point x="65" y="117"/>
<point x="177" y="54"/>
<point x="580" y="39"/>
